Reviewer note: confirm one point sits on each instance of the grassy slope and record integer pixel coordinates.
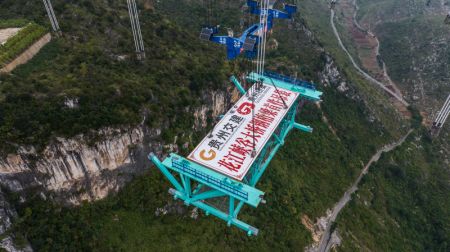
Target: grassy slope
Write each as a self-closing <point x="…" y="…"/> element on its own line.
<point x="403" y="203"/>
<point x="416" y="52"/>
<point x="317" y="17"/>
<point x="21" y="41"/>
<point x="413" y="43"/>
<point x="307" y="176"/>
<point x="83" y="64"/>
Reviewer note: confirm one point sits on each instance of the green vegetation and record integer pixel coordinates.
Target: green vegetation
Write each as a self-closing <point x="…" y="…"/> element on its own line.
<point x="316" y="16"/>
<point x="21" y="41"/>
<point x="13" y="23"/>
<point x="94" y="63"/>
<point x="402" y="204"/>
<point x="307" y="176"/>
<point x="414" y="45"/>
<point x="408" y="56"/>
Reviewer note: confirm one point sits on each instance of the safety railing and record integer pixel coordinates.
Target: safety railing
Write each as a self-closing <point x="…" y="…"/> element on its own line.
<point x="291" y="80"/>
<point x="185" y="167"/>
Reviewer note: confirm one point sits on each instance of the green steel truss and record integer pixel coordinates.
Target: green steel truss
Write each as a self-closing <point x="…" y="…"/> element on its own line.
<point x="218" y="194"/>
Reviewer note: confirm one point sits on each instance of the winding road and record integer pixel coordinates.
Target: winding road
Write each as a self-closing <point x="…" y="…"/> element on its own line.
<point x="324" y="244"/>
<point x="362" y="72"/>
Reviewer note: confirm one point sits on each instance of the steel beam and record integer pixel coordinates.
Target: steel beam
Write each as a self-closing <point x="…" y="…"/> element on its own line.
<point x="165" y="171"/>
<point x="136" y="29"/>
<point x="304" y="92"/>
<point x="237" y="84"/>
<point x="52" y="17"/>
<point x="302" y="127"/>
<point x="230" y="219"/>
<point x="443" y="110"/>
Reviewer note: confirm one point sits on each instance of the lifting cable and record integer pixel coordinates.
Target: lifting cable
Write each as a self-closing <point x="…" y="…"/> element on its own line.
<point x="259" y="61"/>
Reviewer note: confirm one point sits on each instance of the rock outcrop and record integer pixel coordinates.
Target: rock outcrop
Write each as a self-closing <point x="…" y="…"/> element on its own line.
<point x="7" y="213"/>
<point x="82" y="168"/>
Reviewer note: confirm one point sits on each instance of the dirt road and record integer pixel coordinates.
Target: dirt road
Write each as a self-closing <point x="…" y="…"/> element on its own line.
<point x="362" y="72"/>
<point x="324" y="244"/>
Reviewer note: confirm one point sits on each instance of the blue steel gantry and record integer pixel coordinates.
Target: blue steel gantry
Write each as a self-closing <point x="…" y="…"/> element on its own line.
<point x="255" y="8"/>
<point x="224" y="196"/>
<point x="249" y="40"/>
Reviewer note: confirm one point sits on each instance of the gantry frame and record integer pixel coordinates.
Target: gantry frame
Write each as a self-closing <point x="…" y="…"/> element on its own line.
<point x="203" y="188"/>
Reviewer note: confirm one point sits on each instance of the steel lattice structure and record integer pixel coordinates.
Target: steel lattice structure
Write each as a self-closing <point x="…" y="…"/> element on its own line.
<point x="221" y="195"/>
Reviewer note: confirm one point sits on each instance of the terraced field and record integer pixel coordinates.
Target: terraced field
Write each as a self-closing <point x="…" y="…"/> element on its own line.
<point x="15" y="40"/>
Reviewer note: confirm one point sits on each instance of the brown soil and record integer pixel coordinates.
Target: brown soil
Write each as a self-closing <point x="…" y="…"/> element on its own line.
<point x="7" y="33"/>
<point x="366" y="45"/>
<point x="27" y="54"/>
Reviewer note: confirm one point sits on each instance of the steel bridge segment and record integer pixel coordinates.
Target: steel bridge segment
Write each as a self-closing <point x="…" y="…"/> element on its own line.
<point x="305" y="92"/>
<point x="215" y="180"/>
<point x="230" y="218"/>
<point x="221" y="187"/>
<point x="271" y="148"/>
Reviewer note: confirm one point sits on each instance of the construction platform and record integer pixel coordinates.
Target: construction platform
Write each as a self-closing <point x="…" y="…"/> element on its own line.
<point x="220" y="174"/>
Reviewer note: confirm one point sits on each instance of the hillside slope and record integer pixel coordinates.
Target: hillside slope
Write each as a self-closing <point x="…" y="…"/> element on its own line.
<point x="414" y="45"/>
<point x="93" y="65"/>
<point x="306" y="178"/>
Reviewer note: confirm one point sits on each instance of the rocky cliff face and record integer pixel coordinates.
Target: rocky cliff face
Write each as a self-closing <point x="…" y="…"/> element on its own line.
<point x="73" y="170"/>
<point x="77" y="170"/>
<point x="72" y="164"/>
<point x="6" y="215"/>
